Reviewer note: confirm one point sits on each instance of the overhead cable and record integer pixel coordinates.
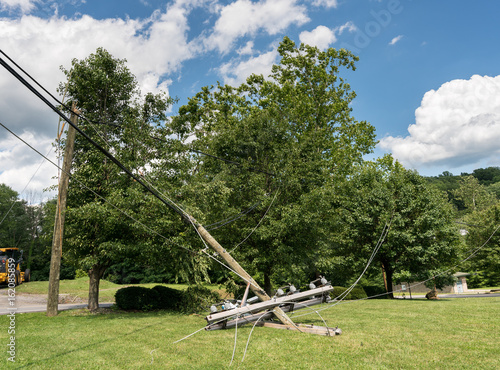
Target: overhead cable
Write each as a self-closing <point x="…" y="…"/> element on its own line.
<point x="129" y="216"/>
<point x="50" y="94"/>
<point x="95" y="144"/>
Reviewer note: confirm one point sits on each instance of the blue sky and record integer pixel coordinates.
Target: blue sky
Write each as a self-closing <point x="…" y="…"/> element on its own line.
<point x="428" y="78"/>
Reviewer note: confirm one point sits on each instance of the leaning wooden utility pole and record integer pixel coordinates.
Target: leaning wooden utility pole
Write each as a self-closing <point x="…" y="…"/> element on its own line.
<point x="259" y="292"/>
<point x="57" y="239"/>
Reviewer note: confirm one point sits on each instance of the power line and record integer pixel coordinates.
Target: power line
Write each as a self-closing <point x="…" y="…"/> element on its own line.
<point x="50" y="94"/>
<point x="95" y="144"/>
<point x="186" y="217"/>
<point x="129" y="216"/>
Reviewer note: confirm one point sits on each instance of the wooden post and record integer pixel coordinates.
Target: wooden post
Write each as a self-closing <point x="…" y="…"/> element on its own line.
<point x="385" y="279"/>
<point x="55" y="261"/>
<point x="259" y="292"/>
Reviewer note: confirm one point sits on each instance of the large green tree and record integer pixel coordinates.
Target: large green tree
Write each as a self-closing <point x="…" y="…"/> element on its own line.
<point x="483" y="246"/>
<point x="473" y="195"/>
<point x="275" y="143"/>
<point x="126" y="124"/>
<point x="422" y="240"/>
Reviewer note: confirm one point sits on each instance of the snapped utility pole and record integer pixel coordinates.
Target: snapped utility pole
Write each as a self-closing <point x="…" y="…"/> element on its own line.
<point x="259" y="292"/>
<point x="57" y="239"/>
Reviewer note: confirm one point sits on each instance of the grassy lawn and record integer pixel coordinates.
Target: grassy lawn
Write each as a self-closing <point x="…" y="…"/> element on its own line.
<point x="377" y="334"/>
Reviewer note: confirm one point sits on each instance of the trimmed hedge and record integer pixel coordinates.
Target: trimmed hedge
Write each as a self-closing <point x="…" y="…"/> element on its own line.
<point x="193" y="299"/>
<point x="168" y="298"/>
<point x="357" y="293"/>
<point x="376" y="292"/>
<point x="136" y="298"/>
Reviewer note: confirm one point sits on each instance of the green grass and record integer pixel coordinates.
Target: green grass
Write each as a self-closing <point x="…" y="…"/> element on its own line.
<point x="377" y="334"/>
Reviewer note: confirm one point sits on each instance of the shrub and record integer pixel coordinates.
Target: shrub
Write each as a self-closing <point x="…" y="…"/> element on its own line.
<point x="168" y="298"/>
<point x="195" y="299"/>
<point x="375" y="291"/>
<point x="198" y="299"/>
<point x="356" y="293"/>
<point x="136" y="298"/>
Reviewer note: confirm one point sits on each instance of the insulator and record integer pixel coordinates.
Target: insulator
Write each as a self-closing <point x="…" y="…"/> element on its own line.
<point x="323" y="281"/>
<point x="292" y="289"/>
<point x="312" y="286"/>
<point x="280" y="292"/>
<point x="213" y="309"/>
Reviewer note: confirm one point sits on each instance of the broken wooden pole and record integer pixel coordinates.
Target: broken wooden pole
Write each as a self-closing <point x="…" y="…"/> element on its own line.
<point x="269" y="304"/>
<point x="248" y="319"/>
<point x="259" y="292"/>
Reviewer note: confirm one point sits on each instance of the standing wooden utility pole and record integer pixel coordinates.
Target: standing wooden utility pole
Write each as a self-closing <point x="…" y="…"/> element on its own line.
<point x="55" y="261"/>
<point x="259" y="292"/>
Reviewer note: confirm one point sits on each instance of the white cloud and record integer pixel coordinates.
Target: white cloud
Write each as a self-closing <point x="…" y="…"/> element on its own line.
<point x="247" y="49"/>
<point x="154" y="48"/>
<point x="244" y="17"/>
<point x="236" y="71"/>
<point x="395" y="40"/>
<point x="321" y="36"/>
<point x="349" y="26"/>
<point x="25" y="6"/>
<point x="458" y="124"/>
<point x="326" y="3"/>
<point x="24" y="170"/>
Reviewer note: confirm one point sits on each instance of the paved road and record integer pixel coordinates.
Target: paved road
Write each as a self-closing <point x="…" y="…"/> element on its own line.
<point x="470" y="295"/>
<point x="442" y="296"/>
<point x="43" y="308"/>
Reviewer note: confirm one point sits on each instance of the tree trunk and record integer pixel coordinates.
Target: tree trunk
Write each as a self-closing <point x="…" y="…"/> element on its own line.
<point x="388" y="278"/>
<point x="267" y="283"/>
<point x="95" y="275"/>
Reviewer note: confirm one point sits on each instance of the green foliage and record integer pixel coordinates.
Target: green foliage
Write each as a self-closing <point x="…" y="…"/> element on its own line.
<point x="195" y="299"/>
<point x="422" y="235"/>
<point x="494" y="189"/>
<point x="487" y="176"/>
<point x="136" y="298"/>
<point x="375" y="291"/>
<point x="79" y="273"/>
<point x="138" y="271"/>
<point x="106" y="217"/>
<point x="234" y="289"/>
<point x="198" y="299"/>
<point x="14" y="228"/>
<point x="168" y="298"/>
<point x="277" y="144"/>
<point x="474" y="196"/>
<point x="483" y="243"/>
<point x="356" y="293"/>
